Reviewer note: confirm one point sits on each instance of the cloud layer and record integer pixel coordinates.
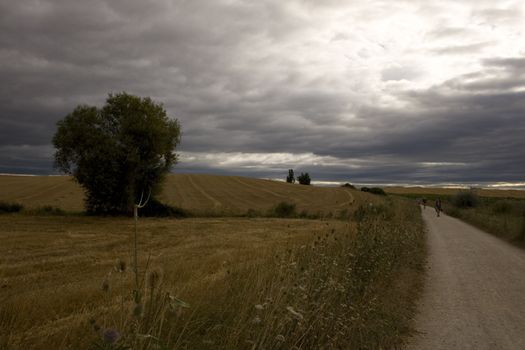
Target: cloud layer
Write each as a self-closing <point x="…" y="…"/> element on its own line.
<point x="372" y="92"/>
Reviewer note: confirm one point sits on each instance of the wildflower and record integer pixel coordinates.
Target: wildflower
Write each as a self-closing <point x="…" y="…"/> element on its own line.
<point x="259" y="307"/>
<point x="110" y="336"/>
<point x="280" y="338"/>
<point x="256" y="320"/>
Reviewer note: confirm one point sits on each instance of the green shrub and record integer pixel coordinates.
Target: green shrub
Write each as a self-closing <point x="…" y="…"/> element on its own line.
<point x="50" y="210"/>
<point x="348" y="185"/>
<point x="374" y="190"/>
<point x="284" y="210"/>
<point x="466" y="199"/>
<point x="6" y="207"/>
<point x="377" y="190"/>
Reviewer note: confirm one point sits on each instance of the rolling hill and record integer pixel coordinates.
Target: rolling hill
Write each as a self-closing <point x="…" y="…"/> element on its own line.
<point x="202" y="194"/>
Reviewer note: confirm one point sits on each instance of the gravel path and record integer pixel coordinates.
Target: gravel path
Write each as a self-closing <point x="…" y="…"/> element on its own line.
<point x="475" y="290"/>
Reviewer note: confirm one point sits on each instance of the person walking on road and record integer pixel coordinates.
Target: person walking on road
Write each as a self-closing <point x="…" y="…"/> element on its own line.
<point x="438" y="206"/>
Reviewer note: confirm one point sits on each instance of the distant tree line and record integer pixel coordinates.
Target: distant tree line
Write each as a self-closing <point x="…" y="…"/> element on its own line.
<point x="303" y="179"/>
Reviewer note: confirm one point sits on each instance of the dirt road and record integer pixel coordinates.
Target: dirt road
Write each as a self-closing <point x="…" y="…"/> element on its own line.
<point x="475" y="290"/>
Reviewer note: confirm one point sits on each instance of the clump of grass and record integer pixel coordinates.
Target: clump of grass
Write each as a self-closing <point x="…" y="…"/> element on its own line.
<point x="343" y="214"/>
<point x="521" y="236"/>
<point x="341" y="290"/>
<point x="500" y="216"/>
<point x="49" y="210"/>
<point x="502" y="207"/>
<point x="6" y="207"/>
<point x="284" y="210"/>
<point x="252" y="213"/>
<point x="351" y="285"/>
<point x="466" y="199"/>
<point x="371" y="210"/>
<point x="374" y="190"/>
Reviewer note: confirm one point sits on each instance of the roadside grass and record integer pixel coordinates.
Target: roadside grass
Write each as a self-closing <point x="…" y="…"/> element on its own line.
<point x="503" y="217"/>
<point x="347" y="288"/>
<point x="225" y="283"/>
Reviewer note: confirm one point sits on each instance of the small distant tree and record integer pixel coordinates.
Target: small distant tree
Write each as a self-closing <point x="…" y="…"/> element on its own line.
<point x="117" y="152"/>
<point x="304" y="179"/>
<point x="290" y="178"/>
<point x="348" y="185"/>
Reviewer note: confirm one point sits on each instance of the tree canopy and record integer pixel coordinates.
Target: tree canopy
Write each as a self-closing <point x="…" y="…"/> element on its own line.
<point x="117" y="152"/>
<point x="304" y="179"/>
<point x="290" y="178"/>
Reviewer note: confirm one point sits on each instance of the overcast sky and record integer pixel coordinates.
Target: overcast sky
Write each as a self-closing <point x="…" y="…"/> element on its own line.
<point x="365" y="91"/>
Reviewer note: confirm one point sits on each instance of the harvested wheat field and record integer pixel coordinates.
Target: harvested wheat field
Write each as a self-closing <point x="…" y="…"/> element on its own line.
<point x="68" y="281"/>
<point x="52" y="270"/>
<point x="200" y="194"/>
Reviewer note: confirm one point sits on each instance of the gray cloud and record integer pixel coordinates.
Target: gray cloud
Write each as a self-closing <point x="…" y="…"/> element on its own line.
<point x="432" y="101"/>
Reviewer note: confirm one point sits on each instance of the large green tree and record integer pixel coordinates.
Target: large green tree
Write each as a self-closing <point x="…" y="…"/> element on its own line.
<point x="117" y="152"/>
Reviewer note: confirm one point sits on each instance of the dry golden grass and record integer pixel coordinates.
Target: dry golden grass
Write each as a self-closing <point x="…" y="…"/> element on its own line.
<point x="251" y="283"/>
<point x="52" y="269"/>
<point x="453" y="191"/>
<point x="200" y="194"/>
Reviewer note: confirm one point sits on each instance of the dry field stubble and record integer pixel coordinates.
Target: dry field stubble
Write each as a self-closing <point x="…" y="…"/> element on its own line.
<point x="251" y="283"/>
<point x="52" y="268"/>
<point x="202" y="195"/>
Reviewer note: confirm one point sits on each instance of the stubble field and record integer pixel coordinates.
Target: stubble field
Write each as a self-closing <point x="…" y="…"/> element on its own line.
<point x="67" y="281"/>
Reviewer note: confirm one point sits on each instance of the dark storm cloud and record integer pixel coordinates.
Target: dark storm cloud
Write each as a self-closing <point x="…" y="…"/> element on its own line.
<point x="266" y="78"/>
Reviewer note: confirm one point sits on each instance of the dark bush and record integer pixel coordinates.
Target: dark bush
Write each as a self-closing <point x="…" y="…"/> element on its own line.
<point x="348" y="186"/>
<point x="377" y="190"/>
<point x="374" y="190"/>
<point x="502" y="207"/>
<point x="155" y="208"/>
<point x="284" y="210"/>
<point x="50" y="210"/>
<point x="466" y="199"/>
<point x="252" y="213"/>
<point x="6" y="207"/>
